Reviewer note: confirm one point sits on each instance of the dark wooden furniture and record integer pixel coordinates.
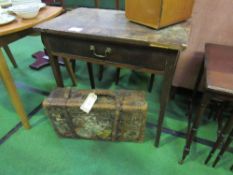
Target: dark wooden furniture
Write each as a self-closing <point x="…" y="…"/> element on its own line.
<point x="108" y="38"/>
<point x="218" y="74"/>
<point x="224" y="147"/>
<point x="10" y="55"/>
<point x="118" y="70"/>
<point x="101" y="67"/>
<point x="220" y="139"/>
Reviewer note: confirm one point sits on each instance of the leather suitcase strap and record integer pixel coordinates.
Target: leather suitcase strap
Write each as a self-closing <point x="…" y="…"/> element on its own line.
<point x="117" y="116"/>
<point x="68" y="116"/>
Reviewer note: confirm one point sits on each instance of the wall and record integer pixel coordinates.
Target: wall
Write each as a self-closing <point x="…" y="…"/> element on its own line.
<point x="212" y="21"/>
<point x="90" y="3"/>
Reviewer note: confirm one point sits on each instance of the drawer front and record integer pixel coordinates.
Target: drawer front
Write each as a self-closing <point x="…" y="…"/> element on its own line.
<point x="133" y="56"/>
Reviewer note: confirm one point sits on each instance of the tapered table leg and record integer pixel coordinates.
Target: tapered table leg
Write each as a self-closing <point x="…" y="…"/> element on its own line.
<point x="11" y="88"/>
<point x="70" y="71"/>
<point x="193" y="97"/>
<point x="152" y="77"/>
<point x="204" y="102"/>
<point x="97" y="3"/>
<point x="10" y="55"/>
<point x="118" y="72"/>
<point x="117" y="4"/>
<point x="224" y="148"/>
<point x="101" y="72"/>
<point x="164" y="97"/>
<point x="91" y="76"/>
<point x="223" y="133"/>
<point x="53" y="62"/>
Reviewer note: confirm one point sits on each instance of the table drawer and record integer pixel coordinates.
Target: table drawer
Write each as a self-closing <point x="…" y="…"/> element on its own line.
<point x="138" y="57"/>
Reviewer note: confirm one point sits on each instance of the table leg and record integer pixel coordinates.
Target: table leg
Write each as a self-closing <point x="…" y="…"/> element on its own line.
<point x="152" y="78"/>
<point x="70" y="71"/>
<point x="73" y="63"/>
<point x="91" y="76"/>
<point x="227" y="128"/>
<point x="56" y="70"/>
<point x="101" y="72"/>
<point x="194" y="94"/>
<point x="190" y="136"/>
<point x="96" y="3"/>
<point x="165" y="95"/>
<point x="10" y="55"/>
<point x="118" y="72"/>
<point x="53" y="62"/>
<point x="117" y="4"/>
<point x="224" y="148"/>
<point x="11" y="88"/>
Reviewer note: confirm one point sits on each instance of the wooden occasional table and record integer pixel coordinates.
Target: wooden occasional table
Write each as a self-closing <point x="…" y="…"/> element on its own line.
<point x="106" y="37"/>
<point x="218" y="72"/>
<point x="10" y="33"/>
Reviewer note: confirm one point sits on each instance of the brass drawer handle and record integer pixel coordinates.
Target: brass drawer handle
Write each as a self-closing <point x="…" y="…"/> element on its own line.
<point x="107" y="52"/>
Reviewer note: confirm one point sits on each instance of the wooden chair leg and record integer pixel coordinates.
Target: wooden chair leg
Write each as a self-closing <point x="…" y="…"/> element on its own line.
<point x="152" y="77"/>
<point x="220" y="138"/>
<point x="118" y="72"/>
<point x="10" y="55"/>
<point x="91" y="76"/>
<point x="70" y="71"/>
<point x="224" y="148"/>
<point x="10" y="86"/>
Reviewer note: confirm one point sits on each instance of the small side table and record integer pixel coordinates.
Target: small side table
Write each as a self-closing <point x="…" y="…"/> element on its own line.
<point x="218" y="72"/>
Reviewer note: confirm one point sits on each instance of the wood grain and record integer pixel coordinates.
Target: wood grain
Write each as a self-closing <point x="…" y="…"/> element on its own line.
<point x="158" y="13"/>
<point x="113" y="25"/>
<point x="20" y="24"/>
<point x="219" y="68"/>
<point x="11" y="88"/>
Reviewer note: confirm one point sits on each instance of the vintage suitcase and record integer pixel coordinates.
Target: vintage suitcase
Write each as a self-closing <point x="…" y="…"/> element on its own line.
<point x="158" y="13"/>
<point x="116" y="115"/>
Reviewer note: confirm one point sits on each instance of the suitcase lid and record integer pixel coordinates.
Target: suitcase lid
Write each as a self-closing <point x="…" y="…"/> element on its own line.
<point x="57" y="97"/>
<point x="106" y="99"/>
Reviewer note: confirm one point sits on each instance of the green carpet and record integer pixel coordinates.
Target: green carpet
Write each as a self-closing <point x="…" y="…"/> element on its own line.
<point x="41" y="151"/>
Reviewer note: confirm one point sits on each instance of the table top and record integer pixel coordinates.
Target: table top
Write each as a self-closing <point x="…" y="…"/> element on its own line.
<point x="219" y="68"/>
<point x="113" y="25"/>
<point x="20" y="24"/>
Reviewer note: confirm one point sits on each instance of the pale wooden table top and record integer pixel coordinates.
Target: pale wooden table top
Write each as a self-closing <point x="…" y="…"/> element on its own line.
<point x="113" y="25"/>
<point x="20" y="24"/>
